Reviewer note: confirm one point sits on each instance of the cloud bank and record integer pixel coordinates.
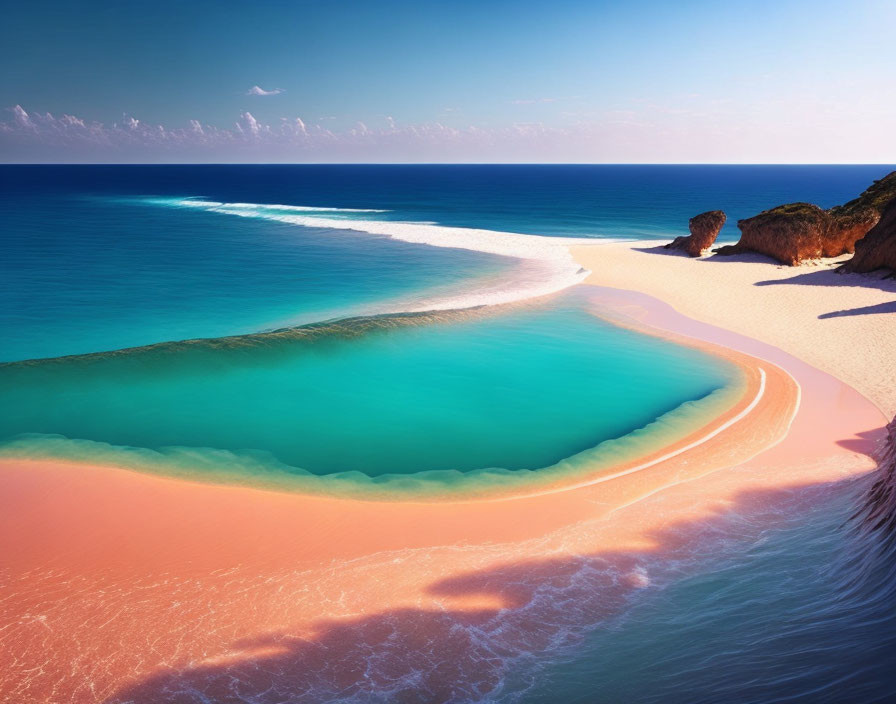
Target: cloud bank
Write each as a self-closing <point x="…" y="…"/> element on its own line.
<point x="645" y="133"/>
<point x="46" y="137"/>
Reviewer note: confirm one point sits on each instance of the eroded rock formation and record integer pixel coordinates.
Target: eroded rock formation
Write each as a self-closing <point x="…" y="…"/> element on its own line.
<point x="851" y="221"/>
<point x="844" y="230"/>
<point x="877" y="249"/>
<point x="796" y="232"/>
<point x="704" y="230"/>
<point x="789" y="233"/>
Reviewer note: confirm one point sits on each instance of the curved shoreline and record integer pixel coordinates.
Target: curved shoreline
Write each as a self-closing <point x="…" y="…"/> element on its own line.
<point x="837" y="323"/>
<point x="236" y="571"/>
<point x="670" y="454"/>
<point x="679" y="426"/>
<point x="551" y="253"/>
<point x="639" y="450"/>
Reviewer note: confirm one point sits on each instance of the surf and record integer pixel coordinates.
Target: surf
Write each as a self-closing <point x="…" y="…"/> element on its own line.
<point x="546" y="265"/>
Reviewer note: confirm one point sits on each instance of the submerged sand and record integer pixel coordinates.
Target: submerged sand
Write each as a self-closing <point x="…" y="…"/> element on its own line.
<point x="120" y="586"/>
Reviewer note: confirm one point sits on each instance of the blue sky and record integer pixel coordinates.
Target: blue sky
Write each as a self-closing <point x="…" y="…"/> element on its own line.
<point x="637" y="81"/>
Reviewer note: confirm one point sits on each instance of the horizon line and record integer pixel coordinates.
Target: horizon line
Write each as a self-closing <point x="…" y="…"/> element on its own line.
<point x="445" y="163"/>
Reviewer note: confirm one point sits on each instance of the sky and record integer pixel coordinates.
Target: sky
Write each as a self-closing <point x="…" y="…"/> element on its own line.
<point x="637" y="81"/>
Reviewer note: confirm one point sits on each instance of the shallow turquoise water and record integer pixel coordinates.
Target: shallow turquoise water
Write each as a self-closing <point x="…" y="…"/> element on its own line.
<point x="521" y="388"/>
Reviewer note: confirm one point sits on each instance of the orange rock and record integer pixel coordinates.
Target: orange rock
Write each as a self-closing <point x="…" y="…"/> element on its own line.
<point x="789" y="233"/>
<point x="704" y="230"/>
<point x="877" y="249"/>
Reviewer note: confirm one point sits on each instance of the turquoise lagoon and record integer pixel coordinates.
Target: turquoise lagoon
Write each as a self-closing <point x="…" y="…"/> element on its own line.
<point x="459" y="400"/>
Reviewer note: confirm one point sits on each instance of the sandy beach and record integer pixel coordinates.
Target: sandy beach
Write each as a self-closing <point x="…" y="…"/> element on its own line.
<point x="130" y="587"/>
<point x="839" y="323"/>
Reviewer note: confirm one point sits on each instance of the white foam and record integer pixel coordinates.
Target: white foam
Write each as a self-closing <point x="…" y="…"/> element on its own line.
<point x="296" y="208"/>
<point x="550" y="269"/>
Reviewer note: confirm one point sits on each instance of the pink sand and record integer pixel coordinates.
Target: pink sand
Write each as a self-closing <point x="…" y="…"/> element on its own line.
<point x="126" y="585"/>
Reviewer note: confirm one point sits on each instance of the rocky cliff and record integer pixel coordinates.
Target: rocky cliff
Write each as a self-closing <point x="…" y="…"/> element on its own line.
<point x="704" y="230"/>
<point x="796" y="232"/>
<point x="877" y="249"/>
<point x="851" y="221"/>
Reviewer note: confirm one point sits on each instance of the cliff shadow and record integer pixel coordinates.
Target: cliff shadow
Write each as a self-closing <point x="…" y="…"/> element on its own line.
<point x="661" y="249"/>
<point x="416" y="655"/>
<point x="864" y="310"/>
<point x="823" y="275"/>
<point x="711" y="256"/>
<point x="828" y="277"/>
<point x="871" y="443"/>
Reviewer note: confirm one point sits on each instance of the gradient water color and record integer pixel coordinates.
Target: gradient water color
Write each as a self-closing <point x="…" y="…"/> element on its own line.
<point x="404" y="401"/>
<point x="369" y="397"/>
<point x="102" y="257"/>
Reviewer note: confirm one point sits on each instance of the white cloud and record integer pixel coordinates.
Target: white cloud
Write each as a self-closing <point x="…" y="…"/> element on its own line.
<point x="629" y="133"/>
<point x="21" y="116"/>
<point x="258" y="90"/>
<point x="72" y="120"/>
<point x="250" y="122"/>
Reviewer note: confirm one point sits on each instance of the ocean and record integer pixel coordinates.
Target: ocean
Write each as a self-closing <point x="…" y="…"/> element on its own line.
<point x="407" y="331"/>
<point x="106" y="257"/>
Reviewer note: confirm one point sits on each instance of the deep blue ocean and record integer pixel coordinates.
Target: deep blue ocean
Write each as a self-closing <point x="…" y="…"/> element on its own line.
<point x="403" y="328"/>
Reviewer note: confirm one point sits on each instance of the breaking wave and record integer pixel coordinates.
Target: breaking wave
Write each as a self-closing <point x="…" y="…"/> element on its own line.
<point x="546" y="265"/>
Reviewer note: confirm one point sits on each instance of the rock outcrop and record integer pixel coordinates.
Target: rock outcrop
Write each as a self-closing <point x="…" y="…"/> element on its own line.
<point x="704" y="230"/>
<point x="851" y="221"/>
<point x="844" y="230"/>
<point x="796" y="232"/>
<point x="877" y="249"/>
<point x="789" y="233"/>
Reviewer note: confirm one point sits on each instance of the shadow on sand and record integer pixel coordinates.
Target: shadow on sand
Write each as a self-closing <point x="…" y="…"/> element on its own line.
<point x="419" y="655"/>
<point x="829" y="277"/>
<point x="825" y="275"/>
<point x="710" y="258"/>
<point x="864" y="310"/>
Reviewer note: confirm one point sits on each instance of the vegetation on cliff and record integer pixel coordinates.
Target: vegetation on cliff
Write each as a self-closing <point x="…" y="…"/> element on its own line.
<point x="877" y="249"/>
<point x="796" y="232"/>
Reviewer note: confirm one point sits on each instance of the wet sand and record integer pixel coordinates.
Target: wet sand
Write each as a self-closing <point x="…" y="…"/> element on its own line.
<point x="119" y="586"/>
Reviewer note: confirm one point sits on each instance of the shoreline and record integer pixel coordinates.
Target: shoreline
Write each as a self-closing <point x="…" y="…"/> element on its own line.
<point x="691" y="422"/>
<point x="833" y="321"/>
<point x="95" y="556"/>
<point x="663" y="439"/>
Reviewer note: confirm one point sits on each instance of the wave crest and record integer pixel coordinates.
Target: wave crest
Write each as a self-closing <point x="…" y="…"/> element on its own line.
<point x="546" y="263"/>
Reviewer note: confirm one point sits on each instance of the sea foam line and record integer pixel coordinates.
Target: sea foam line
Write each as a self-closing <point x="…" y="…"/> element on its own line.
<point x="556" y="268"/>
<point x="296" y="208"/>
